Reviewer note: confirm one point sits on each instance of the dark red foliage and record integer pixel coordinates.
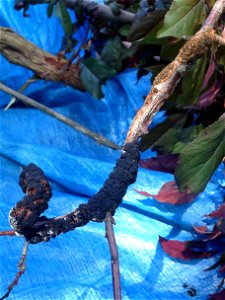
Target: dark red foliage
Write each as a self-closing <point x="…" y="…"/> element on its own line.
<point x="209" y="96"/>
<point x="169" y="193"/>
<point x="218" y="213"/>
<point x="180" y="250"/>
<point x="222" y="269"/>
<point x="163" y="163"/>
<point x="218" y="296"/>
<point x="201" y="229"/>
<point x="210" y="71"/>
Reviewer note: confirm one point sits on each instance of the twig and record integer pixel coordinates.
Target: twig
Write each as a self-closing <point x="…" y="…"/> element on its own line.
<point x="109" y="222"/>
<point x="215" y="14"/>
<point x="166" y="81"/>
<point x="7" y="232"/>
<point x="99" y="138"/>
<point x="75" y="55"/>
<point x="19" y="51"/>
<point x="21" y="267"/>
<point x="21" y="90"/>
<point x="99" y="11"/>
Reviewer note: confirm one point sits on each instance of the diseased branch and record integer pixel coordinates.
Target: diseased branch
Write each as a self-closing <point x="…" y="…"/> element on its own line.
<point x="19" y="51"/>
<point x="97" y="11"/>
<point x="25" y="216"/>
<point x="166" y="81"/>
<point x="97" y="137"/>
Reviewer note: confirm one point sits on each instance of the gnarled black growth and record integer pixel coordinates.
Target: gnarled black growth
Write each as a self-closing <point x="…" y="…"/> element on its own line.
<point x="25" y="217"/>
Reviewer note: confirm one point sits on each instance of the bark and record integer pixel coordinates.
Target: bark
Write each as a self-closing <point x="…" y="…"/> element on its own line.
<point x="19" y="51"/>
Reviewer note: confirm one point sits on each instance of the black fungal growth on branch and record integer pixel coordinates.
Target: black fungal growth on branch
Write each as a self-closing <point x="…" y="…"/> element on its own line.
<point x="25" y="216"/>
<point x="27" y="212"/>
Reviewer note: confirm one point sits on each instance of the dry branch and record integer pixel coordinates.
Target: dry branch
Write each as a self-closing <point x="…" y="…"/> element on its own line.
<point x="21" y="267"/>
<point x="97" y="137"/>
<point x="19" y="51"/>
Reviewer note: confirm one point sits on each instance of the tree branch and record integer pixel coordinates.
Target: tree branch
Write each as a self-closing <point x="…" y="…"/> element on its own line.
<point x="99" y="11"/>
<point x="97" y="137"/>
<point x="19" y="51"/>
<point x="109" y="221"/>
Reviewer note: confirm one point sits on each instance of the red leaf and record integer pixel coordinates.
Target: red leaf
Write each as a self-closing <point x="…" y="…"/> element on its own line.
<point x="201" y="229"/>
<point x="209" y="96"/>
<point x="178" y="249"/>
<point x="169" y="193"/>
<point x="143" y="193"/>
<point x="163" y="163"/>
<point x="222" y="269"/>
<point x="218" y="213"/>
<point x="210" y="71"/>
<point x="218" y="296"/>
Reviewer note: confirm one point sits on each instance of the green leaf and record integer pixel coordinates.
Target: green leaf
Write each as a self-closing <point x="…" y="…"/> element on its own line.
<point x="50" y="8"/>
<point x="183" y="18"/>
<point x="200" y="158"/>
<point x="145" y="24"/>
<point x="112" y="53"/>
<point x="79" y="11"/>
<point x="99" y="68"/>
<point x="115" y="8"/>
<point x="170" y="50"/>
<point x="152" y="38"/>
<point x="183" y="136"/>
<point x="90" y="81"/>
<point x="64" y="17"/>
<point x="162" y="132"/>
<point x="220" y="56"/>
<point x="189" y="90"/>
<point x="124" y="30"/>
<point x="93" y="73"/>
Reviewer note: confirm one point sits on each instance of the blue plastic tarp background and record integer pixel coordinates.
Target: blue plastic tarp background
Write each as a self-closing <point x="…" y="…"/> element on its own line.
<point x="77" y="265"/>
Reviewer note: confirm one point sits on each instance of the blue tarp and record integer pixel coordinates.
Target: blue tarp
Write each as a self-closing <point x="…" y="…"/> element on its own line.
<point x="77" y="265"/>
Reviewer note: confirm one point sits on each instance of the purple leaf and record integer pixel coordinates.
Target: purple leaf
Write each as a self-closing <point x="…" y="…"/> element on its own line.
<point x="177" y="249"/>
<point x="169" y="193"/>
<point x="209" y="96"/>
<point x="163" y="163"/>
<point x="210" y="71"/>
